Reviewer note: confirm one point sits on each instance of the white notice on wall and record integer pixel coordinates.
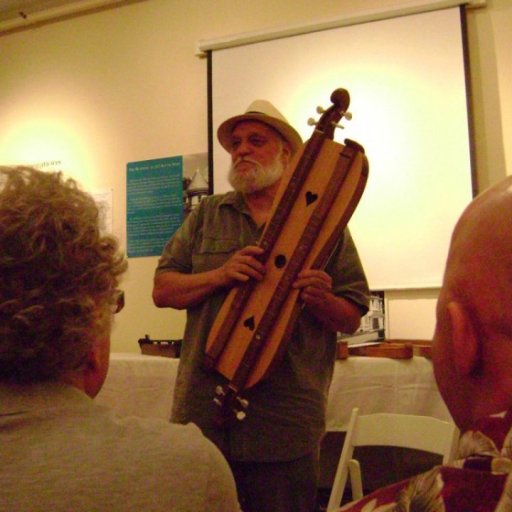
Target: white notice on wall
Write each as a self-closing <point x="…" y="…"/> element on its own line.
<point x="103" y="199"/>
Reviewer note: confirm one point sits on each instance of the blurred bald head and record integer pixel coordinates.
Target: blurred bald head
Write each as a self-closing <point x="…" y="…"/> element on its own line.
<point x="473" y="337"/>
<point x="479" y="266"/>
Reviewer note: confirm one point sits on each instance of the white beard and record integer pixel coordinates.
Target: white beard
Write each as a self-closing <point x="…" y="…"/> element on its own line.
<point x="257" y="178"/>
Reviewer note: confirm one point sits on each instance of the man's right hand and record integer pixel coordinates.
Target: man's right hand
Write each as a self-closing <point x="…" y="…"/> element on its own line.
<point x="176" y="290"/>
<point x="242" y="266"/>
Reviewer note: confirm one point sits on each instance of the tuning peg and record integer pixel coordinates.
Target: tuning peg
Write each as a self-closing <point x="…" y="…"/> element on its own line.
<point x="347" y="116"/>
<point x="243" y="402"/>
<point x="321" y="110"/>
<point x="219" y="391"/>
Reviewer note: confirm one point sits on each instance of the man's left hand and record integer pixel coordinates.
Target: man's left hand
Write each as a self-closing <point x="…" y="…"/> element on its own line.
<point x="315" y="286"/>
<point x="336" y="313"/>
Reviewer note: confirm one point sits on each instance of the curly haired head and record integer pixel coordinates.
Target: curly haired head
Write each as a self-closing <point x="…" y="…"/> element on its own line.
<point x="58" y="275"/>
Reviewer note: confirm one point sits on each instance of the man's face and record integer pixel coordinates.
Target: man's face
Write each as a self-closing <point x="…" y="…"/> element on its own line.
<point x="258" y="156"/>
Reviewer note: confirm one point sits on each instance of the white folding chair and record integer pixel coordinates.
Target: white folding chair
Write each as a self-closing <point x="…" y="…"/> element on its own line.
<point x="383" y="429"/>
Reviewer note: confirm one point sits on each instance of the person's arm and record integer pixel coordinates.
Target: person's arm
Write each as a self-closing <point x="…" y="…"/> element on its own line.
<point x="177" y="290"/>
<point x="336" y="313"/>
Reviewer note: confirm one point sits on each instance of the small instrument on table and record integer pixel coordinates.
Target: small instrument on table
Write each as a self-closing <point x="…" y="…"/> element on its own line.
<point x="318" y="193"/>
<point x="393" y="349"/>
<point x="165" y="348"/>
<point x="384" y="349"/>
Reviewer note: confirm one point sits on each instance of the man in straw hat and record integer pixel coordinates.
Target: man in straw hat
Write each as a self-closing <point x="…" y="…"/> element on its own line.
<point x="274" y="451"/>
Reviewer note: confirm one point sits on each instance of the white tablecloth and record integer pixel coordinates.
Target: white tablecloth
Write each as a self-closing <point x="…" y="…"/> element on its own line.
<point x="379" y="384"/>
<point x="143" y="385"/>
<point x="139" y="385"/>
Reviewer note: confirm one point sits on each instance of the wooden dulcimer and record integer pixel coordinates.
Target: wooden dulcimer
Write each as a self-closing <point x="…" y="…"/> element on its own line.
<point x="317" y="195"/>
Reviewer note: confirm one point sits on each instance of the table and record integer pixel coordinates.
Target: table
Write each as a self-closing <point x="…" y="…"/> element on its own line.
<point x="139" y="385"/>
<point x="143" y="385"/>
<point x="379" y="384"/>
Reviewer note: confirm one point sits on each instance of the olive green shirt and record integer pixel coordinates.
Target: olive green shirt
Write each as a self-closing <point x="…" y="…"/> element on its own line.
<point x="286" y="414"/>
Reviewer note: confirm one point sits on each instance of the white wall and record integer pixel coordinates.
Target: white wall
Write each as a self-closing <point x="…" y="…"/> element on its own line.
<point x="120" y="85"/>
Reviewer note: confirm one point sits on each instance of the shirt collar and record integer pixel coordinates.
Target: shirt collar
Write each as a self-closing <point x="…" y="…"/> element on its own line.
<point x="16" y="398"/>
<point x="236" y="200"/>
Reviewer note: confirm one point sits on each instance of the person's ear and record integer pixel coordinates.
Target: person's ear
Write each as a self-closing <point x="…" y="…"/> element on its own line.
<point x="466" y="344"/>
<point x="90" y="372"/>
<point x="286" y="154"/>
<point x="96" y="366"/>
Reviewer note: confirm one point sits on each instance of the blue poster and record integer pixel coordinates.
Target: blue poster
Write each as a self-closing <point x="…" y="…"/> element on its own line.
<point x="154" y="190"/>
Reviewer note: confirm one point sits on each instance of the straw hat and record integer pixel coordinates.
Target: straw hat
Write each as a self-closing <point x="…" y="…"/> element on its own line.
<point x="264" y="112"/>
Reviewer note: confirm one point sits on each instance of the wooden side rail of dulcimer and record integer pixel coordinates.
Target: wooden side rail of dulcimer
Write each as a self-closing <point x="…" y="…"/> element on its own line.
<point x="317" y="195"/>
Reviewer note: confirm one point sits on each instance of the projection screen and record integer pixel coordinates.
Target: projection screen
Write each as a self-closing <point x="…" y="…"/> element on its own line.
<point x="406" y="78"/>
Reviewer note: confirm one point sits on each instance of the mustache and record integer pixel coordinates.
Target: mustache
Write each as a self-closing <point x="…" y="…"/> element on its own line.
<point x="244" y="159"/>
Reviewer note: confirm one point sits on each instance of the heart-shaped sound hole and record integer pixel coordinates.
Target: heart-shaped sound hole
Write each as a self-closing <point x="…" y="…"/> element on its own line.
<point x="249" y="323"/>
<point x="311" y="197"/>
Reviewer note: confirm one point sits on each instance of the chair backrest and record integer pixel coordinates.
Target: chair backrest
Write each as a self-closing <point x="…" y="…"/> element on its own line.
<point x="385" y="429"/>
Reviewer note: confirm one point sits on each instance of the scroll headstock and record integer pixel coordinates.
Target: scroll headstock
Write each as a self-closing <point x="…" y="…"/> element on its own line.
<point x="330" y="118"/>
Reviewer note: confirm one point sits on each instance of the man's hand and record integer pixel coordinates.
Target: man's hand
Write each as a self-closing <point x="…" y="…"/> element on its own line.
<point x="336" y="313"/>
<point x="242" y="266"/>
<point x="176" y="290"/>
<point x="315" y="286"/>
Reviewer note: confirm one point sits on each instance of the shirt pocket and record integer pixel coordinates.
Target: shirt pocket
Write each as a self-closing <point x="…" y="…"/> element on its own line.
<point x="213" y="253"/>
